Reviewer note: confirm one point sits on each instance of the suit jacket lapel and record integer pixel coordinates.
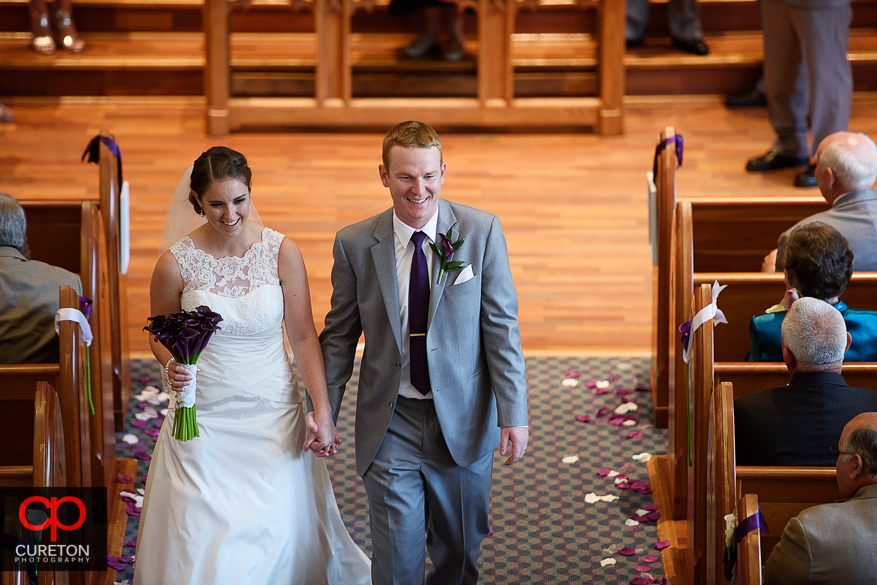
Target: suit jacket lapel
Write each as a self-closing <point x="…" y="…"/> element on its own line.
<point x="384" y="257"/>
<point x="446" y="219"/>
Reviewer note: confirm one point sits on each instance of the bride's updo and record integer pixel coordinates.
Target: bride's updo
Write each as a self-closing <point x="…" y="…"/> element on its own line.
<point x="216" y="164"/>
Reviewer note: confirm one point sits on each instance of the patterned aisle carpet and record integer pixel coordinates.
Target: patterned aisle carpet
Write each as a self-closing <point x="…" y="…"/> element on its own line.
<point x="547" y="526"/>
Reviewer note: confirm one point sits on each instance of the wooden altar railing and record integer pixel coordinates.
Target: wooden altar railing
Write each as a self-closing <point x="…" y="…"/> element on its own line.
<point x="495" y="105"/>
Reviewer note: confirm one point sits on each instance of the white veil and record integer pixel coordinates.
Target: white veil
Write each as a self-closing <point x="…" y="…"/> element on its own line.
<point x="181" y="219"/>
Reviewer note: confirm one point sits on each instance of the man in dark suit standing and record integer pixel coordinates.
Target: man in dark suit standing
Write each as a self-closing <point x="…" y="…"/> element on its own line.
<point x="442" y="379"/>
<point x="807" y="79"/>
<point x="796" y="424"/>
<point x="834" y="543"/>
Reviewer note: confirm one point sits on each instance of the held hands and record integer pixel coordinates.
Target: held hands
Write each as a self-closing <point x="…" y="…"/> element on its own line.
<point x="322" y="438"/>
<point x="177" y="376"/>
<point x="513" y="442"/>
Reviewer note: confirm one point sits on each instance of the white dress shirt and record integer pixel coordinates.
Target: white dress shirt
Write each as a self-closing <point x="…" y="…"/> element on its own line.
<point x="404" y="255"/>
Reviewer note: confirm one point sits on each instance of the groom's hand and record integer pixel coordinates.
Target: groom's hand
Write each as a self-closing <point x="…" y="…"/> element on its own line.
<point x="513" y="442"/>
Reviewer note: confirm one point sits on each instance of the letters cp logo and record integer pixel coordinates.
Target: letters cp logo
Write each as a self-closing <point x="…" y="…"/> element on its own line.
<point x="52" y="506"/>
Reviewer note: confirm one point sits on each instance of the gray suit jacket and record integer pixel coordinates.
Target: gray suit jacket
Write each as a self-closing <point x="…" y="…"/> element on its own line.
<point x="28" y="303"/>
<point x="830" y="543"/>
<point x="854" y="215"/>
<point x="476" y="364"/>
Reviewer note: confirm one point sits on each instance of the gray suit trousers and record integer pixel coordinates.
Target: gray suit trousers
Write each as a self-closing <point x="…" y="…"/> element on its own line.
<point x="412" y="473"/>
<point x="683" y="18"/>
<point x="806" y="72"/>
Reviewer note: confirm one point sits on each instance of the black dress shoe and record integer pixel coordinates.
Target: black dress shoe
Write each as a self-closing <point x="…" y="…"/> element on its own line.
<point x="631" y="43"/>
<point x="693" y="46"/>
<point x="775" y="160"/>
<point x="753" y="99"/>
<point x="806" y="178"/>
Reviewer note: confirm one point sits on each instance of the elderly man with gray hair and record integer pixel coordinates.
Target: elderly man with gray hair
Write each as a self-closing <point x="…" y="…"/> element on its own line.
<point x="834" y="543"/>
<point x="846" y="168"/>
<point x="795" y="424"/>
<point x="28" y="293"/>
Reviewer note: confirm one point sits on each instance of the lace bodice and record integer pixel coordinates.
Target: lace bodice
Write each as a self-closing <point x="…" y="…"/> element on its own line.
<point x="245" y="291"/>
<point x="230" y="276"/>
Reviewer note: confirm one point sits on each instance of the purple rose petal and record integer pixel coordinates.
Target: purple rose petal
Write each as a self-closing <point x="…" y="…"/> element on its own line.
<point x="144" y="379"/>
<point x="650" y="559"/>
<point x="654" y="515"/>
<point x="138" y="423"/>
<point x="116" y="565"/>
<point x="603" y="472"/>
<point x="132" y="543"/>
<point x="123" y="478"/>
<point x="626" y="400"/>
<point x="627" y="551"/>
<point x="634" y="435"/>
<point x="645" y="491"/>
<point x="600" y="391"/>
<point x="662" y="544"/>
<point x="641" y="518"/>
<point x="630" y="417"/>
<point x="638" y="484"/>
<point x="583" y="418"/>
<point x="617" y="421"/>
<point x="642" y="388"/>
<point x="642" y="569"/>
<point x="152" y="432"/>
<point x="126" y="559"/>
<point x="622" y="392"/>
<point x="142" y="456"/>
<point x="603" y="411"/>
<point x="651" y="507"/>
<point x="573" y="374"/>
<point x="614" y="377"/>
<point x="132" y="511"/>
<point x="591" y="384"/>
<point x="642" y="581"/>
<point x="623" y="486"/>
<point x="621" y="476"/>
<point x="143" y="405"/>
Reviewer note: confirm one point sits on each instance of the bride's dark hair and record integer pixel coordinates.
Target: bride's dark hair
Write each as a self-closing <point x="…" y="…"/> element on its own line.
<point x="216" y="164"/>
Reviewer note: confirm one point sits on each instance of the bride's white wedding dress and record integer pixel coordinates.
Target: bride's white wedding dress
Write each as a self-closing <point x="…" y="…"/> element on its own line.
<point x="241" y="503"/>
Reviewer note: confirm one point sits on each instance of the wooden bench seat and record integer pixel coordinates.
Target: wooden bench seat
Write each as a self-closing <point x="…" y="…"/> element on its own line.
<point x="749" y="378"/>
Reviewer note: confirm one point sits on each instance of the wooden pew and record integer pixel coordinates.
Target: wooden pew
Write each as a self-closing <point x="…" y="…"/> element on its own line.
<point x="334" y="105"/>
<point x="69" y="377"/>
<point x="733" y="234"/>
<point x="782" y="491"/>
<point x="70" y="234"/>
<point x="36" y="454"/>
<point x="699" y="406"/>
<point x="749" y="548"/>
<point x="749" y="294"/>
<point x="43" y="459"/>
<point x="116" y="304"/>
<point x="662" y="233"/>
<point x="750" y="378"/>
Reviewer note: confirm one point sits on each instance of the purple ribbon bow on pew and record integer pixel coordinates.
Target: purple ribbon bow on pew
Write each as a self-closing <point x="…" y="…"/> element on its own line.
<point x="677" y="138"/>
<point x="748" y="525"/>
<point x="93" y="151"/>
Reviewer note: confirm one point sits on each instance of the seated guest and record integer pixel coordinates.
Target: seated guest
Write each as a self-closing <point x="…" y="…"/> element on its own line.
<point x="846" y="168"/>
<point x="28" y="294"/>
<point x="834" y="543"/>
<point x="819" y="264"/>
<point x="792" y="425"/>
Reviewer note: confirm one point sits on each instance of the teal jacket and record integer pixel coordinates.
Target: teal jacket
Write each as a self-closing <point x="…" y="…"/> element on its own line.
<point x="767" y="338"/>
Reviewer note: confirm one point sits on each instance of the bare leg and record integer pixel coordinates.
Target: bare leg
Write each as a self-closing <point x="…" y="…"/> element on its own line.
<point x="42" y="34"/>
<point x="67" y="35"/>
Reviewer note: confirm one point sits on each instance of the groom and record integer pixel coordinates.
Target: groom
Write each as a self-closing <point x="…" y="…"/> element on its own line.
<point x="442" y="381"/>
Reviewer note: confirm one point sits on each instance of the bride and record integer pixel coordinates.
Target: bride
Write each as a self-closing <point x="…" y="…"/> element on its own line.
<point x="248" y="501"/>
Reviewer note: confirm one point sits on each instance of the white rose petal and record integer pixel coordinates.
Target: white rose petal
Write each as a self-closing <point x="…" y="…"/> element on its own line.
<point x="642" y="512"/>
<point x="605" y="562"/>
<point x="628" y="423"/>
<point x="603" y="384"/>
<point x="570" y="459"/>
<point x="131" y="439"/>
<point x="642" y="457"/>
<point x="592" y="498"/>
<point x="631" y="522"/>
<point x="612" y="474"/>
<point x="570" y="383"/>
<point x="609" y="498"/>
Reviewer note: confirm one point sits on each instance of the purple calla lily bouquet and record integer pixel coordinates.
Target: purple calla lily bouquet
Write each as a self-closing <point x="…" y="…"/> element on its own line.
<point x="445" y="250"/>
<point x="185" y="335"/>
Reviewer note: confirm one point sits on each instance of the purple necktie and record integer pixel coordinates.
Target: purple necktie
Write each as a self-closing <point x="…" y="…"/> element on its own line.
<point x="418" y="309"/>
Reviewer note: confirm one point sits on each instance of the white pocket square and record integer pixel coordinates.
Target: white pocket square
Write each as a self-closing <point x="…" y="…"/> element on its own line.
<point x="465" y="275"/>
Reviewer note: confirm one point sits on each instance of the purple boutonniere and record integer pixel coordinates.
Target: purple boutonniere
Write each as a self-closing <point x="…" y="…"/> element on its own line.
<point x="444" y="251"/>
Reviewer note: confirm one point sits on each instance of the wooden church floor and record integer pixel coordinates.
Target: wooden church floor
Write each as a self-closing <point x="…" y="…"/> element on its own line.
<point x="573" y="206"/>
